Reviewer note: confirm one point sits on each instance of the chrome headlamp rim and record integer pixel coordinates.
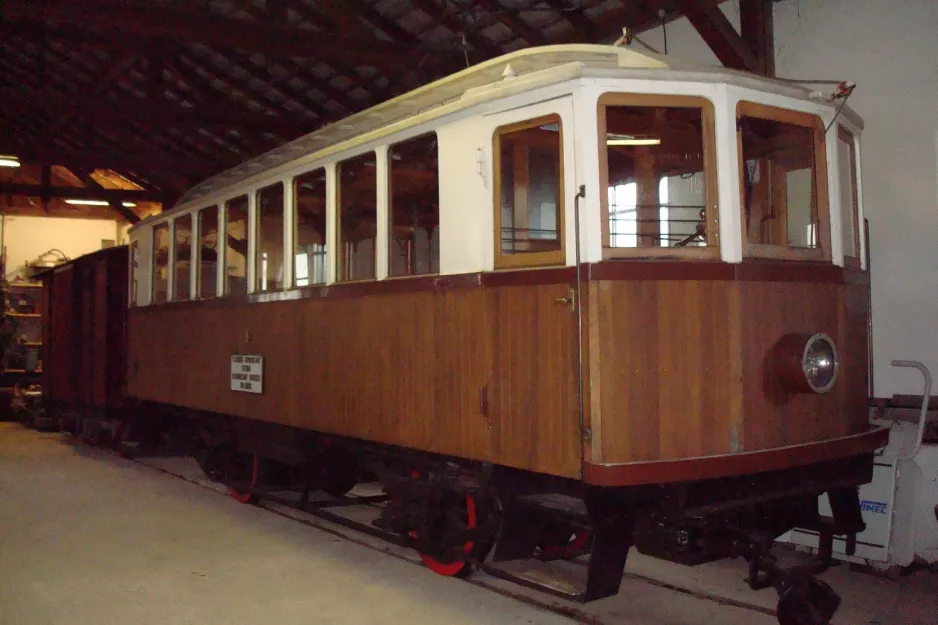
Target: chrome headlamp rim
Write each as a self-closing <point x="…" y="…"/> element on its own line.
<point x="811" y="342"/>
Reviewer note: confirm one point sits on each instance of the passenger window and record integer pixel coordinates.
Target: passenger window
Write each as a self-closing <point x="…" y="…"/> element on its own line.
<point x="358" y="218"/>
<point x="656" y="156"/>
<point x="134" y="259"/>
<point x="309" y="254"/>
<point x="160" y="262"/>
<point x="529" y="189"/>
<point x="236" y="247"/>
<point x="849" y="205"/>
<point x="269" y="236"/>
<point x="415" y="206"/>
<point x="780" y="176"/>
<point x="208" y="252"/>
<point x="182" y="257"/>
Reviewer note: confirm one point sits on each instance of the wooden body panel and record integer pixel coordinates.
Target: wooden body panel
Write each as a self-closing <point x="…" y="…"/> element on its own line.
<point x="485" y="373"/>
<point x="84" y="360"/>
<point x="684" y="369"/>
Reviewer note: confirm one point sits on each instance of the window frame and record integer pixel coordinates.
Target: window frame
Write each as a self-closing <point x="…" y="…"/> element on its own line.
<point x="133" y="262"/>
<point x="197" y="228"/>
<point x="528" y="259"/>
<point x="256" y="250"/>
<point x="154" y="261"/>
<point x="848" y="137"/>
<point x="390" y="213"/>
<point x="223" y="223"/>
<point x="748" y="108"/>
<point x="338" y="255"/>
<point x="615" y="98"/>
<point x="174" y="256"/>
<point x="295" y="224"/>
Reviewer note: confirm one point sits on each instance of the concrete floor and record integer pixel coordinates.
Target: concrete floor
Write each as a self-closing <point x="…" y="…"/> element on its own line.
<point x="90" y="538"/>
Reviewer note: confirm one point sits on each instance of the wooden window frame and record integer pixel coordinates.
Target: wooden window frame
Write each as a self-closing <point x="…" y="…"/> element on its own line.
<point x="746" y="108"/>
<point x="845" y="135"/>
<point x="712" y="249"/>
<point x="133" y="255"/>
<point x="530" y="259"/>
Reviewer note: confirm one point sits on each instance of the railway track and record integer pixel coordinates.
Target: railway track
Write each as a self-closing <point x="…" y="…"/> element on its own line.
<point x="361" y="513"/>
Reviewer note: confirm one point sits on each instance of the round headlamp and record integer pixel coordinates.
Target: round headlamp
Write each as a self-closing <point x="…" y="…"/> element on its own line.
<point x="808" y="362"/>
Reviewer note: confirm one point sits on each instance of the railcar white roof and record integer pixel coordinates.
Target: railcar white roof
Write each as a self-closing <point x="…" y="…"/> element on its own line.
<point x="579" y="60"/>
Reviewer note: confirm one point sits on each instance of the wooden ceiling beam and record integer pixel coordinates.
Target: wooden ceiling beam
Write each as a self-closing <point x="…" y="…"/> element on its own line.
<point x="719" y="34"/>
<point x="441" y="16"/>
<point x="128" y="23"/>
<point x="27" y="207"/>
<point x="513" y="21"/>
<point x="83" y="193"/>
<point x="757" y="27"/>
<point x="576" y="17"/>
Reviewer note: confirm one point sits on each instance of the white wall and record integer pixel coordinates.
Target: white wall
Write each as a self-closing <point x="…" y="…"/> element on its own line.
<point x="889" y="49"/>
<point x="25" y="238"/>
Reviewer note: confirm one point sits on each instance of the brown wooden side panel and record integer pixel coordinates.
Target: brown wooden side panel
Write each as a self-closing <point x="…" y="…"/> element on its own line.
<point x="773" y="417"/>
<point x="666" y="373"/>
<point x="421" y="370"/>
<point x="535" y="399"/>
<point x="60" y="359"/>
<point x="98" y="331"/>
<point x="855" y="355"/>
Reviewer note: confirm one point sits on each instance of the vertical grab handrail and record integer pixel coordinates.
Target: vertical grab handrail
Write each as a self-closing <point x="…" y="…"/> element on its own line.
<point x="914" y="364"/>
<point x="581" y="193"/>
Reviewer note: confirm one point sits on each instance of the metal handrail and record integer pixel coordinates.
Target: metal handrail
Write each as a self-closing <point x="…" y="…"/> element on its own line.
<point x="914" y="364"/>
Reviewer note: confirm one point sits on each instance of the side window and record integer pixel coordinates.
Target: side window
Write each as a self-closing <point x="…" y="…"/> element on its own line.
<point x="182" y="257"/>
<point x="236" y="246"/>
<point x="160" y="248"/>
<point x="656" y="161"/>
<point x="309" y="254"/>
<point x="529" y="193"/>
<point x="782" y="169"/>
<point x="208" y="252"/>
<point x="358" y="218"/>
<point x="849" y="202"/>
<point x="134" y="259"/>
<point x="415" y="206"/>
<point x="269" y="239"/>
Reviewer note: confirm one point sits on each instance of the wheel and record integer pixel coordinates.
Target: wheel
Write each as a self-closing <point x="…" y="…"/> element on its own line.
<point x="454" y="519"/>
<point x="238" y="468"/>
<point x="339" y="471"/>
<point x="564" y="542"/>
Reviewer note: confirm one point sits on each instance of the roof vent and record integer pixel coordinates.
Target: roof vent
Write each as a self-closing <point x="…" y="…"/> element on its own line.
<point x="509" y="72"/>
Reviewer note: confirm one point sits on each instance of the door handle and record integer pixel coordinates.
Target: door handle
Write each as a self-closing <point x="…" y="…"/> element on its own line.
<point x="569" y="300"/>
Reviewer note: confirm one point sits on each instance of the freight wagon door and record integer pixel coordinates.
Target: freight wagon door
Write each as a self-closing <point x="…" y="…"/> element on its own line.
<point x="535" y="384"/>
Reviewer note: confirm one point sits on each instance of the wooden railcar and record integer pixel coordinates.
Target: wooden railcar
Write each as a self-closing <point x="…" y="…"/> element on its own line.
<point x="575" y="298"/>
<point x="84" y="340"/>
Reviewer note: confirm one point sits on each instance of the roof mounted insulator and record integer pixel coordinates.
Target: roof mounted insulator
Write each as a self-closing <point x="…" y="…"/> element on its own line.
<point x="509" y="72"/>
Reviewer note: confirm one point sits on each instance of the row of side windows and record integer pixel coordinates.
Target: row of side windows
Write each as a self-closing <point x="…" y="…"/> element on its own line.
<point x="413" y="224"/>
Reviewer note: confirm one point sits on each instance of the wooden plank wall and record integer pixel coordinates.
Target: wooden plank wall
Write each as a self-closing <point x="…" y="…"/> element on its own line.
<point x="483" y="373"/>
<point x="681" y="369"/>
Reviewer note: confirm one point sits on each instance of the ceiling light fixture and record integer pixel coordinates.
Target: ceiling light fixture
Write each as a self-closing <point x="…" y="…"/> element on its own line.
<point x="96" y="203"/>
<point x="9" y="161"/>
<point x="612" y="139"/>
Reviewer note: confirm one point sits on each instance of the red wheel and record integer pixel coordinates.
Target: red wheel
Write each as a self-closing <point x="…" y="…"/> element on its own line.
<point x="246" y="496"/>
<point x="457" y="567"/>
<point x="577" y="542"/>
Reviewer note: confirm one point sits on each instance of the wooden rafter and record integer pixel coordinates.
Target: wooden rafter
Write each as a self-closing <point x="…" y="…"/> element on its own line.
<point x="49" y="191"/>
<point x="128" y="23"/>
<point x="717" y="31"/>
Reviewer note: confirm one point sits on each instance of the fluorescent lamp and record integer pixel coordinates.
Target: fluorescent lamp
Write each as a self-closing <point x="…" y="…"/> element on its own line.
<point x="96" y="203"/>
<point x="612" y="139"/>
<point x="9" y="161"/>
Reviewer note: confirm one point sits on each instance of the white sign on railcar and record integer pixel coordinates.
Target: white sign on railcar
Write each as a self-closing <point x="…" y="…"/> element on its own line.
<point x="247" y="373"/>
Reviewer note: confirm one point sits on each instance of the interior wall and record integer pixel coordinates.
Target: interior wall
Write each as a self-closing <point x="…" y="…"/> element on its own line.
<point x="26" y="238"/>
<point x="889" y="50"/>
